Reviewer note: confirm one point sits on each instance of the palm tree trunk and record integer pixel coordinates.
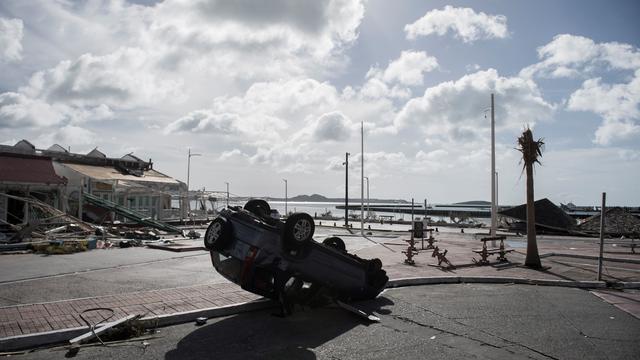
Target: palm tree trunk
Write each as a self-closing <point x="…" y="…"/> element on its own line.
<point x="533" y="259"/>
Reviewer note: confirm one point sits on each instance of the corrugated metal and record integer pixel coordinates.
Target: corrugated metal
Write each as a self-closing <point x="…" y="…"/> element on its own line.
<point x="28" y="169"/>
<point x="110" y="173"/>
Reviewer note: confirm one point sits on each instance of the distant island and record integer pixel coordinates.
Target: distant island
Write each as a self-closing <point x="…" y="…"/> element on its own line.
<point x="321" y="198"/>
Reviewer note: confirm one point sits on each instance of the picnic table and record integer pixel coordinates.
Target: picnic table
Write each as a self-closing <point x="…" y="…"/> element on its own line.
<point x="485" y="252"/>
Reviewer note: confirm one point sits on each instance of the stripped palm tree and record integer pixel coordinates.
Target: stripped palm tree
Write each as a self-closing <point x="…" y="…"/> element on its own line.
<point x="531" y="150"/>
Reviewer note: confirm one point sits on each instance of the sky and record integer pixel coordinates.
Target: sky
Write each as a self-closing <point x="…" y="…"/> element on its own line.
<point x="273" y="90"/>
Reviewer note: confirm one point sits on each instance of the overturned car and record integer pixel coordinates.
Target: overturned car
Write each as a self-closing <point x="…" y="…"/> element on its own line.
<point x="280" y="260"/>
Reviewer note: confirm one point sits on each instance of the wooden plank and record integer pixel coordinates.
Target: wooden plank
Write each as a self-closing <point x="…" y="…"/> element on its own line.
<point x="103" y="327"/>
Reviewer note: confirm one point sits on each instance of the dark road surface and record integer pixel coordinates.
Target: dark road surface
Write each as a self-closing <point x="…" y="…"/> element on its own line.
<point x="462" y="321"/>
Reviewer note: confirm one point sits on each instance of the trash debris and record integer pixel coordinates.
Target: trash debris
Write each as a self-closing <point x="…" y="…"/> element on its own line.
<point x="358" y="312"/>
<point x="192" y="234"/>
<point x="442" y="257"/>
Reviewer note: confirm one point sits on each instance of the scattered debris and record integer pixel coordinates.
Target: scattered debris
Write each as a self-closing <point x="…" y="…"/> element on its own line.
<point x="97" y="329"/>
<point x="357" y="311"/>
<point x="192" y="234"/>
<point x="442" y="257"/>
<point x="617" y="222"/>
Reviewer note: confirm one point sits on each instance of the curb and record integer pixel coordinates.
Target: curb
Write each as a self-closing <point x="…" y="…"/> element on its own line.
<point x="59" y="336"/>
<point x="590" y="257"/>
<point x="21" y="342"/>
<point x="414" y="281"/>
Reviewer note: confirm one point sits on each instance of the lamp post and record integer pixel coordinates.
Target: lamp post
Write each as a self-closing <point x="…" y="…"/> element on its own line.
<point x="188" y="175"/>
<point x="285" y="197"/>
<point x="227" y="194"/>
<point x="362" y="177"/>
<point x="368" y="204"/>
<point x="493" y="171"/>
<point x="346" y="190"/>
<point x="497" y="192"/>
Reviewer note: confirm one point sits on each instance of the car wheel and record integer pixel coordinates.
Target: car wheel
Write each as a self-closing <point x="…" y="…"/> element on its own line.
<point x="336" y="243"/>
<point x="217" y="235"/>
<point x="299" y="229"/>
<point x="258" y="207"/>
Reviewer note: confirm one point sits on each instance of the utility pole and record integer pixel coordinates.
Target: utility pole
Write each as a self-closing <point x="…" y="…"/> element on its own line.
<point x="362" y="177"/>
<point x="188" y="175"/>
<point x="285" y="198"/>
<point x="602" y="211"/>
<point x="493" y="171"/>
<point x="227" y="194"/>
<point x="346" y="190"/>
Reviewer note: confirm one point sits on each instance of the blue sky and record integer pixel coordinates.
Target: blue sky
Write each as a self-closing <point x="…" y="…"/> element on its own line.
<point x="278" y="89"/>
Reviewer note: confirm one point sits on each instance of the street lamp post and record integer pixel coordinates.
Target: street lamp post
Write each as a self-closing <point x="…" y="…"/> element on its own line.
<point x="227" y="194"/>
<point x="497" y="188"/>
<point x="493" y="171"/>
<point x="285" y="197"/>
<point x="368" y="204"/>
<point x="362" y="177"/>
<point x="188" y="175"/>
<point x="346" y="190"/>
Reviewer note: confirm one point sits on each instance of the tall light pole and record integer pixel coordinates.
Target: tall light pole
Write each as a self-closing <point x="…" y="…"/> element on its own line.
<point x="346" y="190"/>
<point x="285" y="197"/>
<point x="497" y="192"/>
<point x="188" y="175"/>
<point x="493" y="171"/>
<point x="227" y="194"/>
<point x="362" y="177"/>
<point x="368" y="205"/>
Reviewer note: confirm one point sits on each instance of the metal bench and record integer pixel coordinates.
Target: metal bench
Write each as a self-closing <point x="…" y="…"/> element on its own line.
<point x="485" y="252"/>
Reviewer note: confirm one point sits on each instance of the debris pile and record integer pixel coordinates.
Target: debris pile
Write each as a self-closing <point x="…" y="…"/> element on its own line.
<point x="617" y="222"/>
<point x="44" y="223"/>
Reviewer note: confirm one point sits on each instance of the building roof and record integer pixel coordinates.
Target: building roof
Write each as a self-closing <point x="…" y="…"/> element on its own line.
<point x="111" y="173"/>
<point x="28" y="169"/>
<point x="57" y="148"/>
<point x="96" y="154"/>
<point x="547" y="215"/>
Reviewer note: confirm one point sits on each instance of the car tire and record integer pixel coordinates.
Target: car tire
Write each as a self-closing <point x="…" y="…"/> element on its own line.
<point x="259" y="208"/>
<point x="298" y="229"/>
<point x="217" y="235"/>
<point x="336" y="243"/>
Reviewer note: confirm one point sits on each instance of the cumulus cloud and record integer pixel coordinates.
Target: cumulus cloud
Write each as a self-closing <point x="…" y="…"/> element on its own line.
<point x="17" y="111"/>
<point x="453" y="109"/>
<point x="11" y="39"/>
<point x="577" y="56"/>
<point x="572" y="56"/>
<point x="408" y="69"/>
<point x="464" y="23"/>
<point x="155" y="57"/>
<point x="122" y="79"/>
<point x="203" y="121"/>
<point x="67" y="135"/>
<point x="333" y="126"/>
<point x="226" y="155"/>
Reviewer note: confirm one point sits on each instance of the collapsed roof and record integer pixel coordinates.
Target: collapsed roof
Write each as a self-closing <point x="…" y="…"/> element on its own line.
<point x="548" y="215"/>
<point x="617" y="222"/>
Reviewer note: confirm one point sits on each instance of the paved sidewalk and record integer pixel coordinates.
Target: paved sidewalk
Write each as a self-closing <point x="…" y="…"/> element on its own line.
<point x="35" y="318"/>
